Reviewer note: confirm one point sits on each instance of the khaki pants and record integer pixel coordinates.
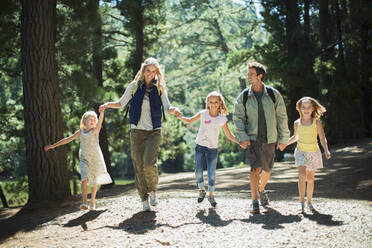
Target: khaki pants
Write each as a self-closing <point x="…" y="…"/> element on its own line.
<point x="144" y="147"/>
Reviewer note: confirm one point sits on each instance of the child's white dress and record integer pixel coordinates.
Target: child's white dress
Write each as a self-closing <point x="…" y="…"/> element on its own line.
<point x="92" y="163"/>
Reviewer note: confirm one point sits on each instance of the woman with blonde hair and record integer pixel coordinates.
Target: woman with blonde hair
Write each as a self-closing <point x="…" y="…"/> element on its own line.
<point x="148" y="101"/>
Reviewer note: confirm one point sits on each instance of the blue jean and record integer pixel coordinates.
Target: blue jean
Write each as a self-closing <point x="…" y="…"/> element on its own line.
<point x="205" y="155"/>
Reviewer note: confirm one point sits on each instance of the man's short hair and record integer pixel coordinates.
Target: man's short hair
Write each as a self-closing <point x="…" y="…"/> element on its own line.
<point x="260" y="68"/>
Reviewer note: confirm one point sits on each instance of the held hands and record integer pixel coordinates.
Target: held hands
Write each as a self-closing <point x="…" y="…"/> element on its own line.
<point x="103" y="107"/>
<point x="245" y="144"/>
<point x="280" y="146"/>
<point x="48" y="147"/>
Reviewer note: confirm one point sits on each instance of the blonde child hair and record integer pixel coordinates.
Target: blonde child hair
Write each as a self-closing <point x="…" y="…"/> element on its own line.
<point x="160" y="84"/>
<point x="85" y="116"/>
<point x="222" y="108"/>
<point x="318" y="108"/>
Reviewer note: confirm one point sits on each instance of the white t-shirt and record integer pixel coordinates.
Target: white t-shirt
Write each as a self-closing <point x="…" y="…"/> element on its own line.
<point x="209" y="129"/>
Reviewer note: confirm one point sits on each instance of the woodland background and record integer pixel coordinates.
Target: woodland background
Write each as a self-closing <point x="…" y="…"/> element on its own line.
<point x="61" y="58"/>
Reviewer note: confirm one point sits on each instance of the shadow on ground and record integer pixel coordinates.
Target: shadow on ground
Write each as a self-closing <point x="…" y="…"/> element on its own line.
<point x="82" y="220"/>
<point x="348" y="175"/>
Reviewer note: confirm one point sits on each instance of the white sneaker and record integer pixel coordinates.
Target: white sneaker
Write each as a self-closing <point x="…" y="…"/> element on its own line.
<point x="146" y="206"/>
<point x="153" y="199"/>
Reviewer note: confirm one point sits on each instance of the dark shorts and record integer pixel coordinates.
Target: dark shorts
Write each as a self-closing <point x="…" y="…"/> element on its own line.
<point x="261" y="155"/>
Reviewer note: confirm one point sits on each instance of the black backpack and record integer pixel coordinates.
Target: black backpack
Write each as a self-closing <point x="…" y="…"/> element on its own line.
<point x="269" y="90"/>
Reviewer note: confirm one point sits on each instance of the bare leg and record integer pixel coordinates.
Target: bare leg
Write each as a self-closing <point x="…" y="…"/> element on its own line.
<point x="254" y="179"/>
<point x="84" y="190"/>
<point x="265" y="176"/>
<point x="302" y="182"/>
<point x="93" y="196"/>
<point x="310" y="184"/>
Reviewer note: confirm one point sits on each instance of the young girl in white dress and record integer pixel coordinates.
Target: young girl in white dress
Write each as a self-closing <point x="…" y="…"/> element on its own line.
<point x="92" y="165"/>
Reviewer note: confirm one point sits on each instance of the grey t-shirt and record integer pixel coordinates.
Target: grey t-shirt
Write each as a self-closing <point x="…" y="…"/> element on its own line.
<point x="262" y="129"/>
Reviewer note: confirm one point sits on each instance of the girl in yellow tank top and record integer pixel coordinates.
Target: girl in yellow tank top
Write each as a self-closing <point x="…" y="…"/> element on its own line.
<point x="308" y="157"/>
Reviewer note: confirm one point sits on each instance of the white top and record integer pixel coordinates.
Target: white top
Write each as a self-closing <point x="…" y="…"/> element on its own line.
<point x="145" y="122"/>
<point x="209" y="129"/>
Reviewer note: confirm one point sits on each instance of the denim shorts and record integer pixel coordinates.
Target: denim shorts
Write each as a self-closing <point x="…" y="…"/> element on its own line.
<point x="261" y="155"/>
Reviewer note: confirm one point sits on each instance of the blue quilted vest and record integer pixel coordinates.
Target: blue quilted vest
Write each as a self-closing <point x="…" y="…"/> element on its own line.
<point x="155" y="106"/>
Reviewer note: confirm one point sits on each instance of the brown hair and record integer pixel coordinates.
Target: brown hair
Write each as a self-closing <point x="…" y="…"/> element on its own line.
<point x="260" y="68"/>
<point x="222" y="108"/>
<point x="318" y="108"/>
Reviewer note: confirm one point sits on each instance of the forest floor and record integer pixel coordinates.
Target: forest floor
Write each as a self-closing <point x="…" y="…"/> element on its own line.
<point x="343" y="199"/>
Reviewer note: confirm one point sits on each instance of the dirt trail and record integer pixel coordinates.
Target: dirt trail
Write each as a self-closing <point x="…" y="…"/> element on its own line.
<point x="343" y="195"/>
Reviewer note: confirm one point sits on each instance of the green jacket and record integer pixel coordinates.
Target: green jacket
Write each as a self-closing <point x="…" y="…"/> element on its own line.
<point x="275" y="115"/>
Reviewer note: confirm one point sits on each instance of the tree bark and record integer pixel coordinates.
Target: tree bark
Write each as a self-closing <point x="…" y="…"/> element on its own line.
<point x="339" y="33"/>
<point x="97" y="73"/>
<point x="307" y="19"/>
<point x="138" y="54"/>
<point x="3" y="199"/>
<point x="325" y="41"/>
<point x="47" y="171"/>
<point x="292" y="25"/>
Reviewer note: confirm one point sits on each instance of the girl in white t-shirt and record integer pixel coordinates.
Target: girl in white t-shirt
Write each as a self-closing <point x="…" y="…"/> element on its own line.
<point x="211" y="120"/>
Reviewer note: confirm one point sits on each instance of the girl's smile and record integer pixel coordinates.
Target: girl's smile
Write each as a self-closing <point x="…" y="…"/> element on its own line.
<point x="307" y="109"/>
<point x="90" y="122"/>
<point x="213" y="105"/>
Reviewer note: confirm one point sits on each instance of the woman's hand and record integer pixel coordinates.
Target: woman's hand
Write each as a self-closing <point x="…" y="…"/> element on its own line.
<point x="103" y="107"/>
<point x="48" y="147"/>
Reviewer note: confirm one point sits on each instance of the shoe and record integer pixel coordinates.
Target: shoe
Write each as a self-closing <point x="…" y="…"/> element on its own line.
<point x="264" y="198"/>
<point x="201" y="197"/>
<point x="92" y="208"/>
<point x="146" y="206"/>
<point x="255" y="207"/>
<point x="153" y="198"/>
<point x="302" y="207"/>
<point x="311" y="208"/>
<point x="84" y="206"/>
<point x="212" y="201"/>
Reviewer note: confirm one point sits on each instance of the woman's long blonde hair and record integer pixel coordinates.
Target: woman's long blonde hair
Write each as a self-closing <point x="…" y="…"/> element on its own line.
<point x="85" y="116"/>
<point x="222" y="108"/>
<point x="319" y="109"/>
<point x="140" y="74"/>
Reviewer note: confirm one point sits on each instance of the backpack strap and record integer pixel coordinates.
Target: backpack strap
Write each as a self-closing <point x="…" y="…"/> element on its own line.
<point x="270" y="91"/>
<point x="245" y="98"/>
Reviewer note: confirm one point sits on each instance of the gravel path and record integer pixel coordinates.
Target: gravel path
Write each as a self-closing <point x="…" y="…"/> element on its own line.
<point x="342" y="198"/>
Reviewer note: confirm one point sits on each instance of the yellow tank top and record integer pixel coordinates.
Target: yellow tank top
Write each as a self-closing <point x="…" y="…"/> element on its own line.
<point x="307" y="137"/>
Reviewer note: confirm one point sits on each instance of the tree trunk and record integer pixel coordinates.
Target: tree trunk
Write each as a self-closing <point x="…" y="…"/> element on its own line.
<point x="3" y="199"/>
<point x="138" y="54"/>
<point x="325" y="42"/>
<point x="47" y="171"/>
<point x="292" y="27"/>
<point x="307" y="19"/>
<point x="221" y="38"/>
<point x="339" y="33"/>
<point x="97" y="73"/>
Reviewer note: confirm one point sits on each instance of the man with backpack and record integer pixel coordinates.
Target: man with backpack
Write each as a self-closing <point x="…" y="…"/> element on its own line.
<point x="261" y="122"/>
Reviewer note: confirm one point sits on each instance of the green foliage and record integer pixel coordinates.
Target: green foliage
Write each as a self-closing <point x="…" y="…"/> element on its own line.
<point x="15" y="191"/>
